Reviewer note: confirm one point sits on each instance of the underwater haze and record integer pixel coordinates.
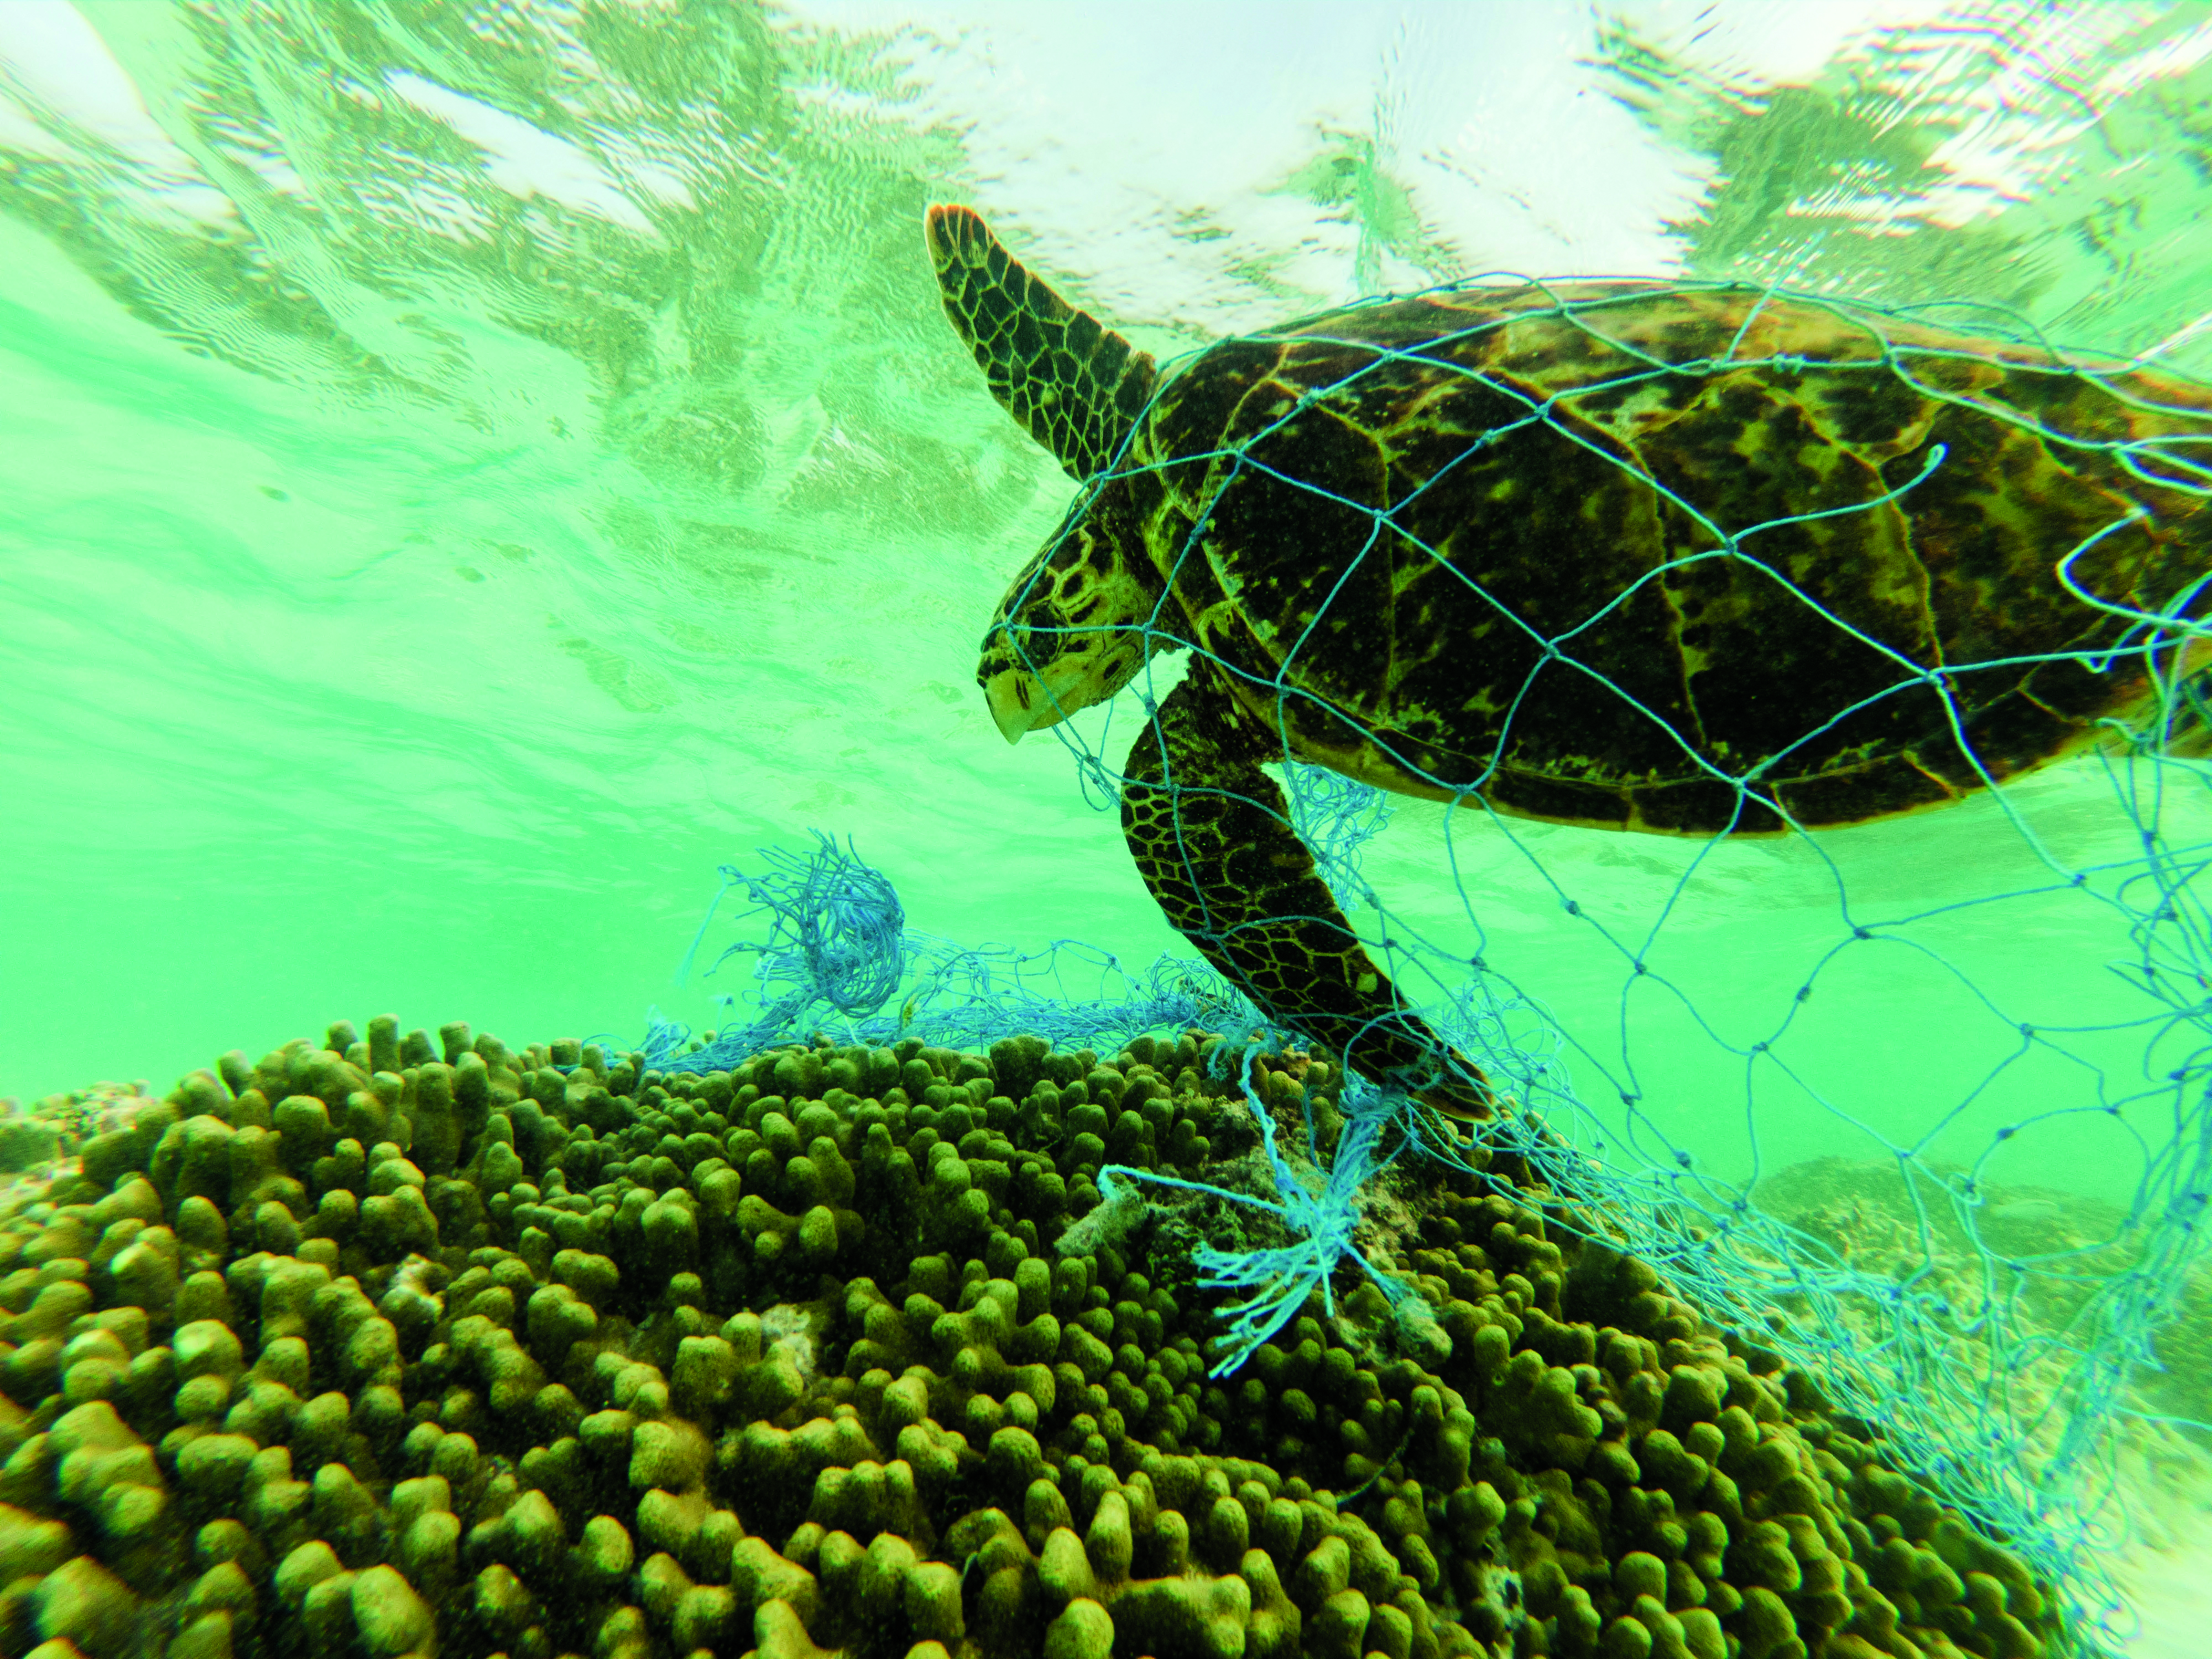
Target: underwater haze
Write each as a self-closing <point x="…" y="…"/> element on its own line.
<point x="468" y="472"/>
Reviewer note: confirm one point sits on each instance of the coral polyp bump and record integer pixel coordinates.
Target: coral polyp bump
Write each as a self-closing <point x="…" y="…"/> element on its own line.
<point x="382" y="1348"/>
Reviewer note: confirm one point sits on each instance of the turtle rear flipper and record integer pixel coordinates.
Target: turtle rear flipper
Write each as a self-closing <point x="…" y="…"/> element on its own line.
<point x="1211" y="834"/>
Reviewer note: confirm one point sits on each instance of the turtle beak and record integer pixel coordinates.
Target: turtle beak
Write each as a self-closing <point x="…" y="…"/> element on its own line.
<point x="1017" y="704"/>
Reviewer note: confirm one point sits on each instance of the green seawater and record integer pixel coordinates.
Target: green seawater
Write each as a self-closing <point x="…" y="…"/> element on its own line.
<point x="467" y="471"/>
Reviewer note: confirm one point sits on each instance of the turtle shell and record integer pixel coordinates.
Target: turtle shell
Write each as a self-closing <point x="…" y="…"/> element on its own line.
<point x="1666" y="558"/>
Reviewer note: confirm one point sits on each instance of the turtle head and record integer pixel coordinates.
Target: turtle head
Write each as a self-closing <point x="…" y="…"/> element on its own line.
<point x="1074" y="627"/>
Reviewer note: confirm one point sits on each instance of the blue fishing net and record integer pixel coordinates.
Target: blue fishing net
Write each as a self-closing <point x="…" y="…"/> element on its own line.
<point x="834" y="955"/>
<point x="1336" y="816"/>
<point x="1275" y="1280"/>
<point x="836" y="944"/>
<point x="2019" y="1422"/>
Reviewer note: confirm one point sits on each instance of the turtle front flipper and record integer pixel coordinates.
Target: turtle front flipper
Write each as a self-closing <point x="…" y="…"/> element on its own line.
<point x="1211" y="835"/>
<point x="1075" y="385"/>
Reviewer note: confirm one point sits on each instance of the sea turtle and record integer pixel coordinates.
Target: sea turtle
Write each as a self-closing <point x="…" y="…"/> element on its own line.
<point x="1673" y="558"/>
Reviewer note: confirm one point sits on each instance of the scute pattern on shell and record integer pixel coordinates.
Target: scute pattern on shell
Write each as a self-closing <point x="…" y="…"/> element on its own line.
<point x="1685" y="558"/>
<point x="1436" y="537"/>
